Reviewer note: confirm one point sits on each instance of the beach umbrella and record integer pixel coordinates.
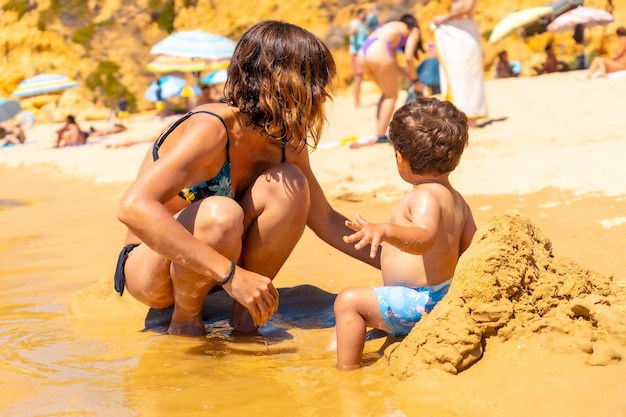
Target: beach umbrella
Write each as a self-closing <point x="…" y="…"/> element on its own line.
<point x="558" y="8"/>
<point x="43" y="84"/>
<point x="9" y="109"/>
<point x="584" y="16"/>
<point x="171" y="86"/>
<point x="189" y="91"/>
<point x="195" y="44"/>
<point x="166" y="63"/>
<point x="517" y="20"/>
<point x="216" y="77"/>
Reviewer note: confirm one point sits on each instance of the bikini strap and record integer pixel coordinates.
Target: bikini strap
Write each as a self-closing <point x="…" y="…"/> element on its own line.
<point x="170" y="129"/>
<point x="283" y="142"/>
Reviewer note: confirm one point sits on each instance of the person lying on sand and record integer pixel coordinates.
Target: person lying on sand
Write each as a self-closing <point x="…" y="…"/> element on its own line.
<point x="11" y="136"/>
<point x="134" y="139"/>
<point x="107" y="130"/>
<point x="430" y="228"/>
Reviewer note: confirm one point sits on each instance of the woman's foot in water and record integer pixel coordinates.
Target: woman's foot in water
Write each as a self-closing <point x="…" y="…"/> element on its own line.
<point x="186" y="324"/>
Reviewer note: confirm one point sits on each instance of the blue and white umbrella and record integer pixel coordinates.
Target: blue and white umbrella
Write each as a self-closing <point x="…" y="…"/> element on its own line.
<point x="216" y="77"/>
<point x="42" y="84"/>
<point x="9" y="109"/>
<point x="196" y="44"/>
<point x="171" y="86"/>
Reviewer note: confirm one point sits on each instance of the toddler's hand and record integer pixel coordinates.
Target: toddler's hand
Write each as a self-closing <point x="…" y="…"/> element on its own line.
<point x="366" y="234"/>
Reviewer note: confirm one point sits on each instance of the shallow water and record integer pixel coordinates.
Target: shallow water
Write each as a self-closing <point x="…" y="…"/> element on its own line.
<point x="72" y="347"/>
<point x="54" y="367"/>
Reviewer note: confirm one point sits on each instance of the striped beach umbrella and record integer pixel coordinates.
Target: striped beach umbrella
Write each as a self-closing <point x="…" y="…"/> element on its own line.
<point x="166" y="63"/>
<point x="195" y="44"/>
<point x="42" y="84"/>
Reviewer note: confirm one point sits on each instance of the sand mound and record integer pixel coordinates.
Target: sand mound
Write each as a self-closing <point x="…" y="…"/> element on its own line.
<point x="508" y="285"/>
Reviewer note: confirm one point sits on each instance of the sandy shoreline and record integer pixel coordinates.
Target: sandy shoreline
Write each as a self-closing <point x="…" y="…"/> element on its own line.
<point x="552" y="152"/>
<point x="548" y="131"/>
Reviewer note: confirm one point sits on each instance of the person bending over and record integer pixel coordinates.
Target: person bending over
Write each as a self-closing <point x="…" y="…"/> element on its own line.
<point x="378" y="59"/>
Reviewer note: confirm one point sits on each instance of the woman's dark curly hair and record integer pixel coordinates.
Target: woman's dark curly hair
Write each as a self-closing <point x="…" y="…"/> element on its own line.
<point x="411" y="22"/>
<point x="280" y="75"/>
<point x="430" y="134"/>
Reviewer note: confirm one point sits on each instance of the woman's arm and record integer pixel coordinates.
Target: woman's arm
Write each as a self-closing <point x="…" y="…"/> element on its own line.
<point x="410" y="52"/>
<point x="458" y="10"/>
<point x="328" y="224"/>
<point x="202" y="142"/>
<point x="142" y="208"/>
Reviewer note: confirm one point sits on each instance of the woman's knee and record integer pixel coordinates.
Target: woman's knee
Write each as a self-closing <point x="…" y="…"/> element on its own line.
<point x="217" y="218"/>
<point x="147" y="278"/>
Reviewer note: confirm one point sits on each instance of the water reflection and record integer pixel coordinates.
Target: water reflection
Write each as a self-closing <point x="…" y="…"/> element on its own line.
<point x="300" y="380"/>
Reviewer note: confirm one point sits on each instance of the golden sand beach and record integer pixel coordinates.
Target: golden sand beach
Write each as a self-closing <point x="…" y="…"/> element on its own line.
<point x="546" y="181"/>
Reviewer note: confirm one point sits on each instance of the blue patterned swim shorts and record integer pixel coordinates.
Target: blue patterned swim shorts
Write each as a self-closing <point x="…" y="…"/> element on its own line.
<point x="402" y="307"/>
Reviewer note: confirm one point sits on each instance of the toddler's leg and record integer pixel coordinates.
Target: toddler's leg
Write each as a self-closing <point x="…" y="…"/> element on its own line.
<point x="355" y="309"/>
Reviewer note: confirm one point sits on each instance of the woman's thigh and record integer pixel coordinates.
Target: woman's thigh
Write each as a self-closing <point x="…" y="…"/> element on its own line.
<point x="216" y="221"/>
<point x="382" y="68"/>
<point x="614" y="66"/>
<point x="275" y="207"/>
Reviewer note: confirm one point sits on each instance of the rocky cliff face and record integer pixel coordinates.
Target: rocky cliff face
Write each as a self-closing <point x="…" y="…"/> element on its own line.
<point x="105" y="44"/>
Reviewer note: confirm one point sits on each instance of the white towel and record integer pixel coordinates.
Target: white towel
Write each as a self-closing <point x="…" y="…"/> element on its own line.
<point x="461" y="66"/>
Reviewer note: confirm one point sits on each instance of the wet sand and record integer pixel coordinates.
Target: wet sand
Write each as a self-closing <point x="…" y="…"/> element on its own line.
<point x="72" y="346"/>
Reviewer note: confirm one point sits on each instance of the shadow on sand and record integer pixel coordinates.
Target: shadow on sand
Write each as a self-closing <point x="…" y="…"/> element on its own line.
<point x="303" y="306"/>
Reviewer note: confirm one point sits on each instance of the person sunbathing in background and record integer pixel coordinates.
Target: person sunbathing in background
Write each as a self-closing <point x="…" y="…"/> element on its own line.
<point x="70" y="134"/>
<point x="551" y="64"/>
<point x="504" y="69"/>
<point x="429" y="229"/>
<point x="11" y="136"/>
<point x="601" y="66"/>
<point x="106" y="130"/>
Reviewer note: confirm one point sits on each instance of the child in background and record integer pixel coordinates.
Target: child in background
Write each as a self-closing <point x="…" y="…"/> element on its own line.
<point x="429" y="230"/>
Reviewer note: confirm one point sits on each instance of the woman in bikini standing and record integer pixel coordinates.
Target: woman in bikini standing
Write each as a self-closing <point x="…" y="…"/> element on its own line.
<point x="225" y="193"/>
<point x="378" y="59"/>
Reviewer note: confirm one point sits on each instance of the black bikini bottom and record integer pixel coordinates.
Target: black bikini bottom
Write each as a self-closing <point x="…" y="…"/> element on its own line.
<point x="119" y="280"/>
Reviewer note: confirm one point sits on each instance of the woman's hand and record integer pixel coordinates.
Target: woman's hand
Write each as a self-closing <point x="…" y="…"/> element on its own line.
<point x="366" y="234"/>
<point x="255" y="292"/>
<point x="439" y="19"/>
